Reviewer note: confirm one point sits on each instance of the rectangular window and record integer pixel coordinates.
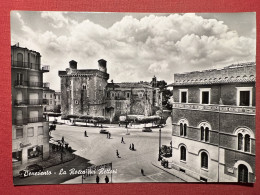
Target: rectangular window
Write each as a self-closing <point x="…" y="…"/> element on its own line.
<point x="50" y="95"/>
<point x="183" y="97"/>
<point x="40" y="130"/>
<point x="19" y="133"/>
<point x="30" y="132"/>
<point x="19" y="78"/>
<point x="205" y="97"/>
<point x="244" y="98"/>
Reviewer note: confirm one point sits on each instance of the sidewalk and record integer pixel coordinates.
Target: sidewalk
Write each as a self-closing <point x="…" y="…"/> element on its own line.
<point x="175" y="172"/>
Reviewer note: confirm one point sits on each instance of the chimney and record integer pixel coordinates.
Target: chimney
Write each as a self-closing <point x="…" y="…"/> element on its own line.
<point x="102" y="64"/>
<point x="73" y="64"/>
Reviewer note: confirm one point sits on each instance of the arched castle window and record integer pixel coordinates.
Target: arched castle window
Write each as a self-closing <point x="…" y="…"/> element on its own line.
<point x="244" y="136"/>
<point x="183" y="153"/>
<point x="204" y="131"/>
<point x="183" y="123"/>
<point x="204" y="160"/>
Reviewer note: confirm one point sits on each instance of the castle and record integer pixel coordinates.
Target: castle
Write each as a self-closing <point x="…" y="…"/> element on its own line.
<point x="87" y="92"/>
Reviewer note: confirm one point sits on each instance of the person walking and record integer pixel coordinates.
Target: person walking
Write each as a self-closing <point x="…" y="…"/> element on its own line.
<point x="86" y="135"/>
<point x="122" y="140"/>
<point x="130" y="147"/>
<point x="106" y="179"/>
<point x="117" y="154"/>
<point x="142" y="172"/>
<point x="133" y="146"/>
<point x="97" y="179"/>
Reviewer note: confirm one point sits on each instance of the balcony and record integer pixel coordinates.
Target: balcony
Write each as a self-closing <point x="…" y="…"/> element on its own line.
<point x="25" y="121"/>
<point x="19" y="122"/>
<point x="36" y="120"/>
<point x="28" y="102"/>
<point x="21" y="83"/>
<point x="29" y="65"/>
<point x="46" y="68"/>
<point x="216" y="108"/>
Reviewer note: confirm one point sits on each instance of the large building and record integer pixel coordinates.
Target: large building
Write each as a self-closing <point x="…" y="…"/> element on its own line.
<point x="86" y="92"/>
<point x="48" y="98"/>
<point x="30" y="132"/>
<point x="213" y="130"/>
<point x="131" y="98"/>
<point x="83" y="91"/>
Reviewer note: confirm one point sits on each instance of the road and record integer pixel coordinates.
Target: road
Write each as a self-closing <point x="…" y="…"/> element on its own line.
<point x="100" y="150"/>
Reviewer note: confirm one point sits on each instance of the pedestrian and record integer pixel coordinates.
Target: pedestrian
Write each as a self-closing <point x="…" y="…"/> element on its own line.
<point x="133" y="146"/>
<point x="86" y="135"/>
<point x="106" y="179"/>
<point x="97" y="179"/>
<point x="130" y="147"/>
<point x="122" y="140"/>
<point x="62" y="139"/>
<point x="117" y="153"/>
<point x="142" y="171"/>
<point x="109" y="135"/>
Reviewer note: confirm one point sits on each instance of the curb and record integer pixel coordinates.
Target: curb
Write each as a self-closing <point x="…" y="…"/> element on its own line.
<point x="168" y="172"/>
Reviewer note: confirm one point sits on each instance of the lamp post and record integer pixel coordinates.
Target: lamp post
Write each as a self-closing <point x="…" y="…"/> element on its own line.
<point x="127" y="133"/>
<point x="160" y="137"/>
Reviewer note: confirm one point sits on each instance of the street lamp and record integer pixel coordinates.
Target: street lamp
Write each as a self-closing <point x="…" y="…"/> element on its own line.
<point x="127" y="133"/>
<point x="160" y="137"/>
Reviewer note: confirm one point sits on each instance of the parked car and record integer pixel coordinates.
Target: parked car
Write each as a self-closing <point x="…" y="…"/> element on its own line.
<point x="146" y="129"/>
<point x="30" y="169"/>
<point x="104" y="131"/>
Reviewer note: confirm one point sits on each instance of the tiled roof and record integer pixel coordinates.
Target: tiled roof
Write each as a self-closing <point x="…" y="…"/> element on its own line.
<point x="242" y="73"/>
<point x="130" y="85"/>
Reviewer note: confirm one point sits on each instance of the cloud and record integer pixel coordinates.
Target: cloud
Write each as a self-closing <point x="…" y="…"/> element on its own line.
<point x="158" y="67"/>
<point x="137" y="49"/>
<point x="57" y="17"/>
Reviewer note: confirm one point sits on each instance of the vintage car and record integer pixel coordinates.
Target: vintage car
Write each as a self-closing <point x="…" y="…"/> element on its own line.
<point x="30" y="169"/>
<point x="146" y="129"/>
<point x="104" y="131"/>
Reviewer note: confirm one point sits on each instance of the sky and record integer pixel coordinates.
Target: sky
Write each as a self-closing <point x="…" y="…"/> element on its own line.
<point x="136" y="46"/>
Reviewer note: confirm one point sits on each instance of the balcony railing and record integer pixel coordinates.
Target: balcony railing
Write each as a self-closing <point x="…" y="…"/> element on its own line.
<point x="28" y="83"/>
<point x="34" y="66"/>
<point x="20" y="121"/>
<point x="28" y="102"/>
<point x="45" y="68"/>
<point x="216" y="108"/>
<point x="28" y="120"/>
<point x="36" y="119"/>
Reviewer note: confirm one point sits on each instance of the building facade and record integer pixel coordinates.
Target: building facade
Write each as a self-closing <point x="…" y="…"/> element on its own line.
<point x="30" y="132"/>
<point x="57" y="101"/>
<point x="87" y="92"/>
<point x="48" y="98"/>
<point x="131" y="98"/>
<point x="83" y="91"/>
<point x="213" y="130"/>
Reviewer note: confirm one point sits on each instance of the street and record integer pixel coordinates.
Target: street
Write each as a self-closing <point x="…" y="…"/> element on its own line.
<point x="98" y="149"/>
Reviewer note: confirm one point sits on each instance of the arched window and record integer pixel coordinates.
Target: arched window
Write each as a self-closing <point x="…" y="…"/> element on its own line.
<point x="247" y="143"/>
<point x="206" y="134"/>
<point x="204" y="160"/>
<point x="185" y="129"/>
<point x="244" y="136"/>
<point x="183" y="153"/>
<point x="183" y="123"/>
<point x="204" y="131"/>
<point x="84" y="86"/>
<point x="240" y="141"/>
<point x="20" y="59"/>
<point x="181" y="129"/>
<point x="242" y="173"/>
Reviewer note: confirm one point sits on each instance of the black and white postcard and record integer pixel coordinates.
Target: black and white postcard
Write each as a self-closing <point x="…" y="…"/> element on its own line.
<point x="133" y="97"/>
